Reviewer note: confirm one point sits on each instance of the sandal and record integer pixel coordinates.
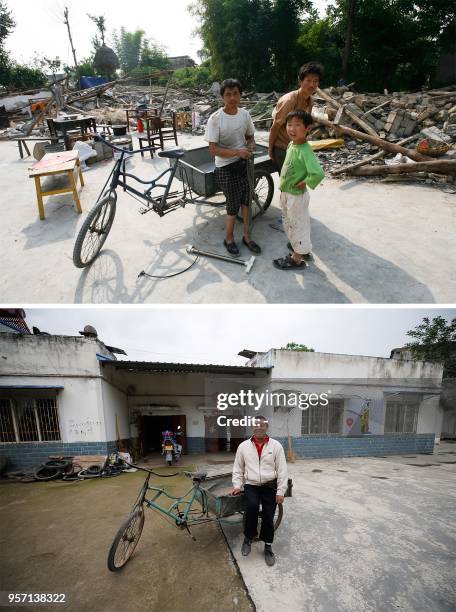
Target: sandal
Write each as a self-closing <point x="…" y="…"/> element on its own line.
<point x="252" y="246"/>
<point x="308" y="256"/>
<point x="231" y="247"/>
<point x="287" y="263"/>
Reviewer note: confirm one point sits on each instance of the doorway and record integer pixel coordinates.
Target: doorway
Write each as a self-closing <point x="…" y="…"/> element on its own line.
<point x="152" y="427"/>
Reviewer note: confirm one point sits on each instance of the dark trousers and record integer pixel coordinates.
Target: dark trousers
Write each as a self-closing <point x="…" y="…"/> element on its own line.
<point x="254" y="496"/>
<point x="279" y="156"/>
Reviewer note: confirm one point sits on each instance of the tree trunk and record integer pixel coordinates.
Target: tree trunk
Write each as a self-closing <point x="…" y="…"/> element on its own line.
<point x="348" y="37"/>
<point x="67" y="23"/>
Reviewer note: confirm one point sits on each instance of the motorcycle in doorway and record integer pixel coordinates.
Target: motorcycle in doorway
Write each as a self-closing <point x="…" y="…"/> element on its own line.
<point x="171" y="450"/>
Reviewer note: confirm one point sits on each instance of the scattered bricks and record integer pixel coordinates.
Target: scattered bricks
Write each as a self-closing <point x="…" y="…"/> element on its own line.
<point x="428" y="123"/>
<point x="408" y="125"/>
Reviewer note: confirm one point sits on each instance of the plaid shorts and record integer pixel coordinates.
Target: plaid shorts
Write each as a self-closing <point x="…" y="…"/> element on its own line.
<point x="232" y="180"/>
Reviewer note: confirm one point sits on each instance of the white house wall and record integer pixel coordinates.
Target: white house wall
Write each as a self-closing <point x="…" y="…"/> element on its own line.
<point x="114" y="402"/>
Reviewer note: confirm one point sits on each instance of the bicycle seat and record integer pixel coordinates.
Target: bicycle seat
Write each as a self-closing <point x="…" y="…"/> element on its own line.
<point x="172" y="153"/>
<point x="199" y="476"/>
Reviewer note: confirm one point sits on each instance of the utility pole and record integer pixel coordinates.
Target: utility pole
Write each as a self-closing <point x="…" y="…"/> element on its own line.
<point x="67" y="23"/>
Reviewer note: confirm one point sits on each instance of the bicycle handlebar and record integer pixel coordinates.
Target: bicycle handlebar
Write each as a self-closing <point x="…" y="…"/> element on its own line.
<point x="151" y="471"/>
<point x="106" y="142"/>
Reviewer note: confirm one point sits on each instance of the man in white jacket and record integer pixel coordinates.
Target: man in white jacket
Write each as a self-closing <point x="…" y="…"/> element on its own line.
<point x="260" y="468"/>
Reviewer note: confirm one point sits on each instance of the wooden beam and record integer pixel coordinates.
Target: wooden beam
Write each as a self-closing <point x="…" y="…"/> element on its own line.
<point x="367" y="160"/>
<point x="376" y="140"/>
<point x="348" y="112"/>
<point x="440" y="166"/>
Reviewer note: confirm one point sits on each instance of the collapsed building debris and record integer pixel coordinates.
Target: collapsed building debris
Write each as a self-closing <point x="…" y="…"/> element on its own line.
<point x="423" y="121"/>
<point x="413" y="126"/>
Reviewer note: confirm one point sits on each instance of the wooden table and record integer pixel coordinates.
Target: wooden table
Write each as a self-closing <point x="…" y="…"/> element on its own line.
<point x="84" y="123"/>
<point x="65" y="163"/>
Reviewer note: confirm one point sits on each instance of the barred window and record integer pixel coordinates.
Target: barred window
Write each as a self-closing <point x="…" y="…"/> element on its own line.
<point x="401" y="416"/>
<point x="29" y="420"/>
<point x="323" y="419"/>
<point x="7" y="433"/>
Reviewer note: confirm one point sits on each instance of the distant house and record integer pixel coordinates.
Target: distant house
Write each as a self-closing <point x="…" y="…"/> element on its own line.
<point x="70" y="395"/>
<point x="181" y="61"/>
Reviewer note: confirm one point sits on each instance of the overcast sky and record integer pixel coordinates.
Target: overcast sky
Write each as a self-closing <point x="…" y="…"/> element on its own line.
<point x="40" y="25"/>
<point x="200" y="334"/>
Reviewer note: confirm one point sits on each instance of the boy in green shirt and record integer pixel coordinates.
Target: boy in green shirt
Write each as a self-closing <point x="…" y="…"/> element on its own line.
<point x="300" y="170"/>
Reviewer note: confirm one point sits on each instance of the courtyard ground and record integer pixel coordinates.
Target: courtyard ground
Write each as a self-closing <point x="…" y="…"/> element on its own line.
<point x="373" y="242"/>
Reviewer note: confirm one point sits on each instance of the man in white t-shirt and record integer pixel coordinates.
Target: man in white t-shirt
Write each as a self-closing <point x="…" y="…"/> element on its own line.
<point x="230" y="134"/>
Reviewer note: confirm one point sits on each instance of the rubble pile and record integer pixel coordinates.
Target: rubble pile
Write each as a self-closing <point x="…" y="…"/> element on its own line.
<point x="425" y="120"/>
<point x="379" y="130"/>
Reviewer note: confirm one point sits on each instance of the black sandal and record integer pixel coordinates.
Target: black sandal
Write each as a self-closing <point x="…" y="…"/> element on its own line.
<point x="231" y="247"/>
<point x="307" y="256"/>
<point x="287" y="263"/>
<point x="252" y="246"/>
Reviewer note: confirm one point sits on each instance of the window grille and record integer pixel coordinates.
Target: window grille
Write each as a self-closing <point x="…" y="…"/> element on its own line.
<point x="7" y="433"/>
<point x="29" y="420"/>
<point x="323" y="419"/>
<point x="401" y="416"/>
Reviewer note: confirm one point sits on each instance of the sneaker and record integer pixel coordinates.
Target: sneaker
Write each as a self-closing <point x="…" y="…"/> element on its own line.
<point x="269" y="556"/>
<point x="246" y="547"/>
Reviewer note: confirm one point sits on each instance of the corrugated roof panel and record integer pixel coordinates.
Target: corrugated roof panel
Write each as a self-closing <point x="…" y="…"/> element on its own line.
<point x="158" y="366"/>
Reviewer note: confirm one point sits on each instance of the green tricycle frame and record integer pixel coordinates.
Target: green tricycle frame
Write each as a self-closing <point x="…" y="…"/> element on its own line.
<point x="213" y="507"/>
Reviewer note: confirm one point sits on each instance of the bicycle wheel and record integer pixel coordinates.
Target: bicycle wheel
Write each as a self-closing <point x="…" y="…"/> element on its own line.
<point x="264" y="190"/>
<point x="126" y="540"/>
<point x="94" y="230"/>
<point x="262" y="197"/>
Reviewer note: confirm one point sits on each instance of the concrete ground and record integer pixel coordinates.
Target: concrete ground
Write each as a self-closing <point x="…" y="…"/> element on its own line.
<point x="55" y="538"/>
<point x="361" y="534"/>
<point x="374" y="242"/>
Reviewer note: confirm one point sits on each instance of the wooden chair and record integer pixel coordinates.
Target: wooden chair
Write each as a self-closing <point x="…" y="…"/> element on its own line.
<point x="158" y="130"/>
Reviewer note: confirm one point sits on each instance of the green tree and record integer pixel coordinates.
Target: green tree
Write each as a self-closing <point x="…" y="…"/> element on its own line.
<point x="85" y="68"/>
<point x="153" y="55"/>
<point x="295" y="346"/>
<point x="435" y="340"/>
<point x="12" y="74"/>
<point x="7" y="25"/>
<point x="100" y="22"/>
<point x="404" y="60"/>
<point x="286" y="18"/>
<point x="195" y="77"/>
<point x="263" y="50"/>
<point x="128" y="47"/>
<point x="319" y="41"/>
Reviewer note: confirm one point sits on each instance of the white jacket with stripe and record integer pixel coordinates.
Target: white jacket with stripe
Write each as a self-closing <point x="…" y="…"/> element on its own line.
<point x="250" y="469"/>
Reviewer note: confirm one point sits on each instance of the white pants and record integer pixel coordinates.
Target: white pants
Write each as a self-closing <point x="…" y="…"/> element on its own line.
<point x="296" y="220"/>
